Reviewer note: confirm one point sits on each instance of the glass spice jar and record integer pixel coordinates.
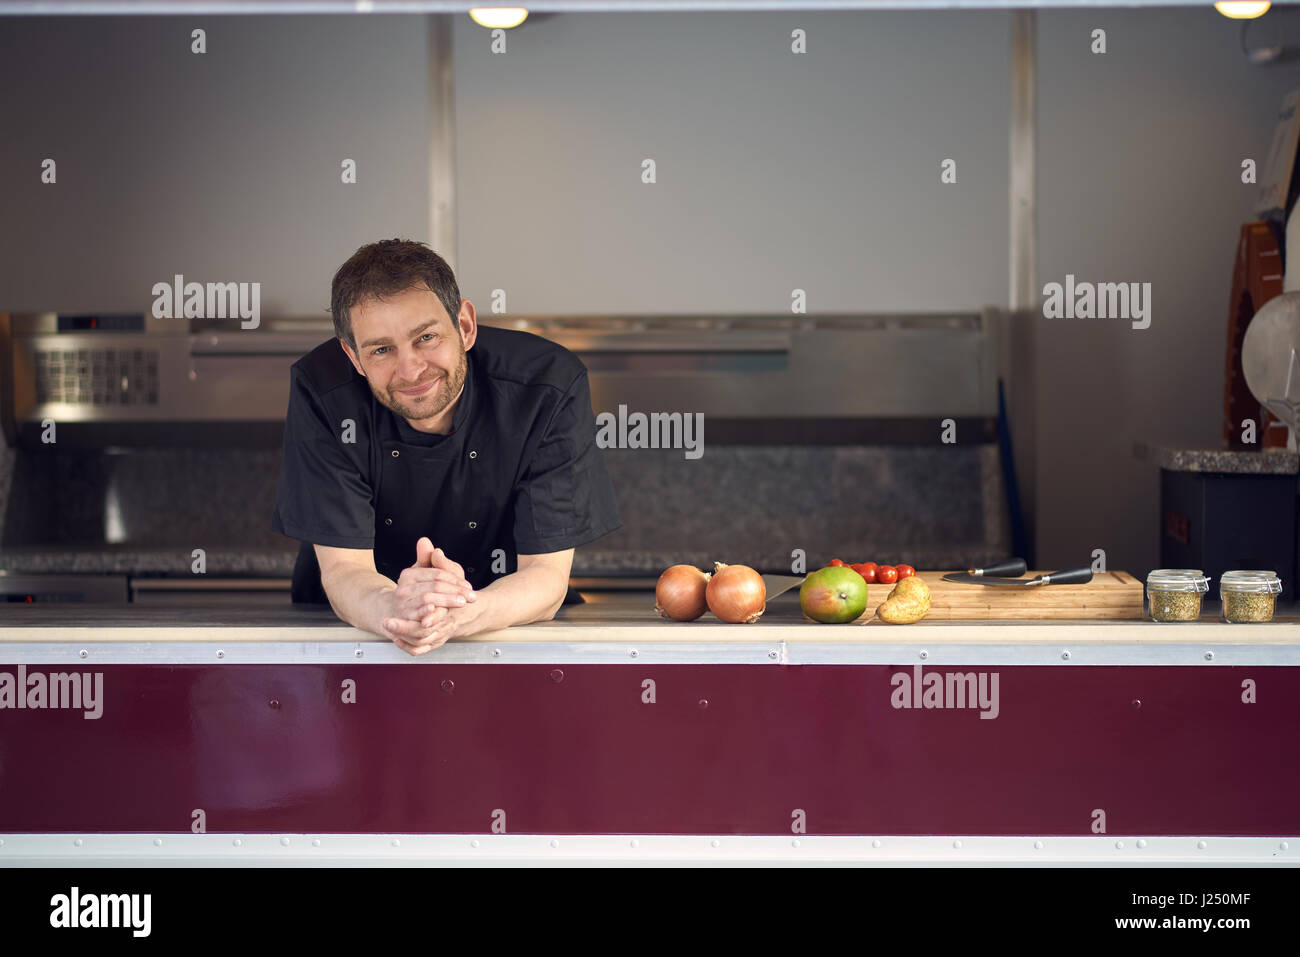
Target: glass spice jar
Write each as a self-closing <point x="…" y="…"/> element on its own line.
<point x="1248" y="595"/>
<point x="1174" y="594"/>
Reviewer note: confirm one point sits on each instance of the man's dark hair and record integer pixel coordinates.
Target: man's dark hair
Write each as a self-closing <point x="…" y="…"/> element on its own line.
<point x="385" y="269"/>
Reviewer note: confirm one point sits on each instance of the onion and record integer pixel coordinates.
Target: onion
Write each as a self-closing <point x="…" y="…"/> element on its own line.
<point x="736" y="593"/>
<point x="680" y="593"/>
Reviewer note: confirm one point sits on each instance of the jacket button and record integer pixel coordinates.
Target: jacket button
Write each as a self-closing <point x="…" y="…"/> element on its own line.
<point x="473" y="524"/>
<point x="396" y="453"/>
<point x="473" y="455"/>
<point x="388" y="521"/>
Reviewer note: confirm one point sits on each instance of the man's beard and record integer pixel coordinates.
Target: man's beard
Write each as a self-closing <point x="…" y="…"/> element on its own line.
<point x="425" y="406"/>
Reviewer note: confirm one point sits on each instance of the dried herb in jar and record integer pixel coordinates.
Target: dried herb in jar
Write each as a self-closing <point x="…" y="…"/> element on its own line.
<point x="1174" y="605"/>
<point x="1247" y="606"/>
<point x="1249" y="594"/>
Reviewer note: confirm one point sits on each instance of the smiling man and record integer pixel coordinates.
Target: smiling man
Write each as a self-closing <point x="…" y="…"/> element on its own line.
<point x="438" y="474"/>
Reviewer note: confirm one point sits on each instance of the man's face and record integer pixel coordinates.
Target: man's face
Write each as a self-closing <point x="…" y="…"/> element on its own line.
<point x="412" y="354"/>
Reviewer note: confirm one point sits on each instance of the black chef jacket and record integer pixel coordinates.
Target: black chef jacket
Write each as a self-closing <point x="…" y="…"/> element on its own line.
<point x="520" y="471"/>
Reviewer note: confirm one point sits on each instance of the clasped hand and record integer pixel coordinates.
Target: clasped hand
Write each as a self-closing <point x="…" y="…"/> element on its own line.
<point x="419" y="615"/>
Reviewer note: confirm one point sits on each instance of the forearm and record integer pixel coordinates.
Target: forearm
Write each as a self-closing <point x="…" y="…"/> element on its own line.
<point x="528" y="595"/>
<point x="359" y="597"/>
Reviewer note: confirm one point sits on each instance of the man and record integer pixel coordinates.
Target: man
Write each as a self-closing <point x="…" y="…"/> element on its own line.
<point x="417" y="434"/>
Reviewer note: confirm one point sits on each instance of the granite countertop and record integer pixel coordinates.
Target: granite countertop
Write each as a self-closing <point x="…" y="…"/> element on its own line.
<point x="612" y="619"/>
<point x="1263" y="462"/>
<point x="278" y="563"/>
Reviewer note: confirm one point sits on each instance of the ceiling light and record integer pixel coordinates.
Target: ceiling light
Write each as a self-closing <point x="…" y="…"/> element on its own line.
<point x="1242" y="9"/>
<point x="507" y="17"/>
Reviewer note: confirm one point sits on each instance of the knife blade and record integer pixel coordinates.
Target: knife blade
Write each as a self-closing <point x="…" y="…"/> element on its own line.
<point x="1073" y="576"/>
<point x="780" y="584"/>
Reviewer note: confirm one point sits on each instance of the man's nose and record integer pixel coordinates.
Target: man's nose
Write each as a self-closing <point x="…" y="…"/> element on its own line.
<point x="409" y="367"/>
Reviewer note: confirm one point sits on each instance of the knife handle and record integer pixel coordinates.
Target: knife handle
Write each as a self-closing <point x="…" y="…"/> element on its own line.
<point x="1074" y="576"/>
<point x="1012" y="568"/>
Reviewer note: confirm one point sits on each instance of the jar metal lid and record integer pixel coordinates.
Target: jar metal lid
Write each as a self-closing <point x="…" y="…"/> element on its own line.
<point x="1250" y="580"/>
<point x="1178" y="579"/>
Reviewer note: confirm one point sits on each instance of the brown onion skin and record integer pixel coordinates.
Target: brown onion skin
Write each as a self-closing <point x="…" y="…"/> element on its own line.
<point x="736" y="593"/>
<point x="679" y="594"/>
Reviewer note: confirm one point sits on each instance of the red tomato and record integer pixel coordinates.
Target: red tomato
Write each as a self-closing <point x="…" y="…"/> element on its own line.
<point x="887" y="574"/>
<point x="867" y="570"/>
<point x="837" y="563"/>
<point x="905" y="571"/>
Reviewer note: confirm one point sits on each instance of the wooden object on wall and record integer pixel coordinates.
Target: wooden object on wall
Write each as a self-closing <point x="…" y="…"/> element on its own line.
<point x="1256" y="278"/>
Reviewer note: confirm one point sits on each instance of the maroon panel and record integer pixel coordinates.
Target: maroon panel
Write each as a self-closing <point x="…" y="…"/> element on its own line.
<point x="438" y="749"/>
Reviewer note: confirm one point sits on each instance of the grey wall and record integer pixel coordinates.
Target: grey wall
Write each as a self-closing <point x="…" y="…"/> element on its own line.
<point x="1140" y="156"/>
<point x="775" y="171"/>
<point x="223" y="166"/>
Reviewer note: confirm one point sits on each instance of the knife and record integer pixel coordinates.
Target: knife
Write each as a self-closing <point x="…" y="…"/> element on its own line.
<point x="1073" y="576"/>
<point x="1011" y="568"/>
<point x="780" y="584"/>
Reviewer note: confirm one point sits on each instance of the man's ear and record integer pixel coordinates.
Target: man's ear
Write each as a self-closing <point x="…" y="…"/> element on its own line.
<point x="467" y="322"/>
<point x="353" y="356"/>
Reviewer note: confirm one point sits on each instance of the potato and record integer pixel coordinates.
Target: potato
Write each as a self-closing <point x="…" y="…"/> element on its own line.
<point x="907" y="603"/>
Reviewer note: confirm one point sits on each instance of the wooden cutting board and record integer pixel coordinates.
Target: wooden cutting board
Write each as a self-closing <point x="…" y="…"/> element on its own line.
<point x="1109" y="595"/>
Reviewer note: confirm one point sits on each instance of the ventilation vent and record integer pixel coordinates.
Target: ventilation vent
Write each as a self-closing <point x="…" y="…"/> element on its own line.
<point x="97" y="376"/>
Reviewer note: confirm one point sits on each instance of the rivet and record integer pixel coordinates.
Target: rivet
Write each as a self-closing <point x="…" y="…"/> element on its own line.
<point x="448" y="685"/>
<point x="396" y="453"/>
<point x="2" y="844"/>
<point x="1065" y="656"/>
<point x="923" y="653"/>
<point x="1119" y="844"/>
<point x="633" y="652"/>
<point x="1209" y="656"/>
<point x="1283" y="846"/>
<point x="358" y="653"/>
<point x="875" y="843"/>
<point x="220" y="653"/>
<point x="1137" y="703"/>
<point x="84" y="653"/>
<point x="636" y="843"/>
<point x="473" y="454"/>
<point x="795" y="842"/>
<point x="1201" y="845"/>
<point x="704" y="702"/>
<point x="157" y="842"/>
<point x="1142" y="843"/>
<point x="388" y="521"/>
<point x="473" y="843"/>
<point x="473" y="524"/>
<point x="716" y="842"/>
<point x="496" y="652"/>
<point x="554" y="843"/>
<point x="237" y="842"/>
<point x="557" y="675"/>
<point x="275" y="702"/>
<point x="396" y="843"/>
<point x="284" y="841"/>
<point x="315" y="842"/>
<point x="78" y="842"/>
<point x="771" y="654"/>
<point x="1038" y="845"/>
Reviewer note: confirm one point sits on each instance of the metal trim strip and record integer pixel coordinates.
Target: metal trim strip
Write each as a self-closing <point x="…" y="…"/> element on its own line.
<point x="636" y="849"/>
<point x="1063" y="654"/>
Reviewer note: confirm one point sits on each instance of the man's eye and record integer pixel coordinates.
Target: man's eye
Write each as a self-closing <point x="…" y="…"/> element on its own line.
<point x="378" y="351"/>
<point x="428" y="336"/>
